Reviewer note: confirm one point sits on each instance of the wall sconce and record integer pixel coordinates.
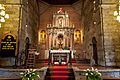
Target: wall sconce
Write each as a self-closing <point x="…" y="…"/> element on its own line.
<point x="3" y="15"/>
<point x="117" y="13"/>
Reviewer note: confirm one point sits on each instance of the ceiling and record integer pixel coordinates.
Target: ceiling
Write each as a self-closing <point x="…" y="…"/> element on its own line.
<point x="60" y="2"/>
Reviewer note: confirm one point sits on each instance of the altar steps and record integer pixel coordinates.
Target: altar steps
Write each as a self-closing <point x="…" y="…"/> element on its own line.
<point x="59" y="72"/>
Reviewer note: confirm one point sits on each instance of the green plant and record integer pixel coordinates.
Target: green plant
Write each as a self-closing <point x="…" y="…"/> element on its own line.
<point x="92" y="74"/>
<point x="30" y="74"/>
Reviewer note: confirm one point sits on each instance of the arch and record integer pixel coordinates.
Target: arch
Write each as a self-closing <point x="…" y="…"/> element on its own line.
<point x="94" y="45"/>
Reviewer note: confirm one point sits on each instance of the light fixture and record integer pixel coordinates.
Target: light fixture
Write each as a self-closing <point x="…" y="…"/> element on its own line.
<point x="117" y="12"/>
<point x="3" y="15"/>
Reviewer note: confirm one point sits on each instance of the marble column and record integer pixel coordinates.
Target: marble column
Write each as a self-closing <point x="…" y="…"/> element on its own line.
<point x="47" y="41"/>
<point x="67" y="38"/>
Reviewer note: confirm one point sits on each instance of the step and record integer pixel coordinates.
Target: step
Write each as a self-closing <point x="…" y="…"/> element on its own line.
<point x="59" y="68"/>
<point x="60" y="78"/>
<point x="59" y="73"/>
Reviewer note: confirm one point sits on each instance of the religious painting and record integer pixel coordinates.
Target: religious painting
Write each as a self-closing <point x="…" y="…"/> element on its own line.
<point x="77" y="36"/>
<point x="42" y="36"/>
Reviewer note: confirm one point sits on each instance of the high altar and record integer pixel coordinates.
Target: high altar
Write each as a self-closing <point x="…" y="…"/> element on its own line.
<point x="60" y="37"/>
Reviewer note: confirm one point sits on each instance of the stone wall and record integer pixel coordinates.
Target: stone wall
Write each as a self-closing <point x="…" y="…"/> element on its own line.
<point x="11" y="25"/>
<point x="91" y="25"/>
<point x="21" y="23"/>
<point x="98" y="21"/>
<point x="29" y="23"/>
<point x="111" y="33"/>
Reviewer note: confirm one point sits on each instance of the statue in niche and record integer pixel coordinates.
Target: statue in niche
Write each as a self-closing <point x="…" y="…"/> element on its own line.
<point x="60" y="41"/>
<point x="60" y="21"/>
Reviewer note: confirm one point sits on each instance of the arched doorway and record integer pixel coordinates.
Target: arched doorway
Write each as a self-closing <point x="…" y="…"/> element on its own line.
<point x="27" y="45"/>
<point x="95" y="55"/>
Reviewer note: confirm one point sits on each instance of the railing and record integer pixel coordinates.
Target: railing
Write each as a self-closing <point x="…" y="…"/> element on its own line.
<point x="110" y="74"/>
<point x="14" y="74"/>
<point x="52" y="52"/>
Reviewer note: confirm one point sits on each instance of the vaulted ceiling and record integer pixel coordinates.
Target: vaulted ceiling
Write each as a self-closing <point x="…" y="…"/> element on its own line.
<point x="60" y="2"/>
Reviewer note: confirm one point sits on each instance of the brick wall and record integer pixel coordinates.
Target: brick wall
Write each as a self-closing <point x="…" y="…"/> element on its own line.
<point x="111" y="34"/>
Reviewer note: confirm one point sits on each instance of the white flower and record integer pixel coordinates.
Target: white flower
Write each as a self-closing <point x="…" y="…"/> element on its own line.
<point x="99" y="74"/>
<point x="30" y="75"/>
<point x="96" y="69"/>
<point x="91" y="73"/>
<point x="86" y="74"/>
<point x="30" y="69"/>
<point x="34" y="69"/>
<point x="38" y="76"/>
<point x="92" y="68"/>
<point x="22" y="73"/>
<point x="33" y="73"/>
<point x="88" y="69"/>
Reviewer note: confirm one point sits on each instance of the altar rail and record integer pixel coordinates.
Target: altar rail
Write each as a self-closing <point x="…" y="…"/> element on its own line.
<point x="110" y="74"/>
<point x="14" y="74"/>
<point x="7" y="74"/>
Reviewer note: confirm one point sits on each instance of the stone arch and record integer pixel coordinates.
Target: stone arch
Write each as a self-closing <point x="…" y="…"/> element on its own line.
<point x="94" y="45"/>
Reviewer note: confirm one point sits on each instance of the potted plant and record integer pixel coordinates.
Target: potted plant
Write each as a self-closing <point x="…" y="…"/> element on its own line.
<point x="30" y="74"/>
<point x="92" y="74"/>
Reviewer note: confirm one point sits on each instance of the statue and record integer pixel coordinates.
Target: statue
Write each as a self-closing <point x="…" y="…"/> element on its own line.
<point x="60" y="41"/>
<point x="60" y="21"/>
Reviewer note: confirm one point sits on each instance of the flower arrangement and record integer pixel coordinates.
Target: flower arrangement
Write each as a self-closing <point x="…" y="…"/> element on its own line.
<point x="92" y="74"/>
<point x="30" y="74"/>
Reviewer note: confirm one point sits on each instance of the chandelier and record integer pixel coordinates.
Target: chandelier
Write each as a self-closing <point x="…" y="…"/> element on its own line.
<point x="3" y="14"/>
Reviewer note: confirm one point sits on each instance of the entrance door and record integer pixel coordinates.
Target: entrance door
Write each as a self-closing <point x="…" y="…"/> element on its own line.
<point x="95" y="55"/>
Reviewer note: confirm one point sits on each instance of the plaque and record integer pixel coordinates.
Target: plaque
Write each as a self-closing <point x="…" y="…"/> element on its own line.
<point x="8" y="46"/>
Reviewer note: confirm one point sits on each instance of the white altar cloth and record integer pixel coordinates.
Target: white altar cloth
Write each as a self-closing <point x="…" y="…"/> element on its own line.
<point x="59" y="51"/>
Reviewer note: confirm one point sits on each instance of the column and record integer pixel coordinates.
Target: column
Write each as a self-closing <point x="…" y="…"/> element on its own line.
<point x="67" y="37"/>
<point x="53" y="38"/>
<point x="47" y="41"/>
<point x="70" y="40"/>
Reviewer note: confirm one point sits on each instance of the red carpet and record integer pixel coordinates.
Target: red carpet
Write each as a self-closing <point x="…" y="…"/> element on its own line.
<point x="59" y="72"/>
<point x="73" y="61"/>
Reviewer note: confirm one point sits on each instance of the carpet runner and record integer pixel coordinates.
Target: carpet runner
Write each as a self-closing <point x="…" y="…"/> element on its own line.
<point x="59" y="72"/>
